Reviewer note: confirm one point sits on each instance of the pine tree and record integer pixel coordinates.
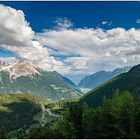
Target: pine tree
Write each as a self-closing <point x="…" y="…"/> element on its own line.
<point x="128" y="115"/>
<point x="2" y="133"/>
<point x="71" y="123"/>
<point x="137" y="121"/>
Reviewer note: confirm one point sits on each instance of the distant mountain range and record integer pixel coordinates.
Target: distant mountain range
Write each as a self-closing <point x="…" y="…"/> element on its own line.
<point x="127" y="81"/>
<point x="24" y="77"/>
<point x="96" y="79"/>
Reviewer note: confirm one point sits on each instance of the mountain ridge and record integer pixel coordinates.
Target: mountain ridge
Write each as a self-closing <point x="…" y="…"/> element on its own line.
<point x="24" y="77"/>
<point x="96" y="79"/>
<point x="126" y="81"/>
<point x="20" y="68"/>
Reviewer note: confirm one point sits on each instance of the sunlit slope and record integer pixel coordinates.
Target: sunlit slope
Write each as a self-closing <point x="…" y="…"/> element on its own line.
<point x="17" y="110"/>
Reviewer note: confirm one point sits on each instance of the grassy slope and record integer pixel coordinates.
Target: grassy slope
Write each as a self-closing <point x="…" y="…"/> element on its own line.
<point x="127" y="81"/>
<point x="17" y="110"/>
<point x="47" y="85"/>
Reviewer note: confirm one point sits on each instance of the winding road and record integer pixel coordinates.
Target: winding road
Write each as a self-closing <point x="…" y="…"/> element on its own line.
<point x="43" y="118"/>
<point x="48" y="111"/>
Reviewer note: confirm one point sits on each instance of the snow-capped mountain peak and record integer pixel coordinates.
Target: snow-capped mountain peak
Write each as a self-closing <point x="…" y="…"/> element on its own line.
<point x="23" y="77"/>
<point x="20" y="68"/>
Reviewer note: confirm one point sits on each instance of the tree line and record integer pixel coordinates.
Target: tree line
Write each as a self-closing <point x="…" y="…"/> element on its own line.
<point x="118" y="117"/>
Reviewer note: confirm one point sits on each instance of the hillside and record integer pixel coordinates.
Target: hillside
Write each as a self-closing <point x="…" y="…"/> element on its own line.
<point x="100" y="77"/>
<point x="24" y="77"/>
<point x="126" y="81"/>
<point x="17" y="110"/>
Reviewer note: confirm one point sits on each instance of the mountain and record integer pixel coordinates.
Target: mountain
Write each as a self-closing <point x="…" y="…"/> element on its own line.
<point x="24" y="77"/>
<point x="96" y="79"/>
<point x="127" y="81"/>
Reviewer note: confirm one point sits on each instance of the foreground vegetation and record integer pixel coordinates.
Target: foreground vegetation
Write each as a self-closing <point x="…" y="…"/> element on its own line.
<point x="118" y="117"/>
<point x="17" y="111"/>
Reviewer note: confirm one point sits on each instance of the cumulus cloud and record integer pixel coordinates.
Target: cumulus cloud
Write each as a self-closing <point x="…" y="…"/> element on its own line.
<point x="86" y="50"/>
<point x="18" y="37"/>
<point x="96" y="48"/>
<point x="14" y="29"/>
<point x="77" y="63"/>
<point x="8" y="59"/>
<point x="63" y="23"/>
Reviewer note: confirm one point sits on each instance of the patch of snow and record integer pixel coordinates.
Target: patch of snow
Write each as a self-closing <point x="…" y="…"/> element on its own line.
<point x="18" y="92"/>
<point x="85" y="90"/>
<point x="20" y="68"/>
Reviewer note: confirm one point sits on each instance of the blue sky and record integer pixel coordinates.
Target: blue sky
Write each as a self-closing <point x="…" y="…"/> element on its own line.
<point x="61" y="27"/>
<point x="84" y="14"/>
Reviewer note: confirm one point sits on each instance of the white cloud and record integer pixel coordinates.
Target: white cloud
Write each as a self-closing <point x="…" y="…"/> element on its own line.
<point x="138" y="21"/>
<point x="14" y="29"/>
<point x="17" y="36"/>
<point x="8" y="59"/>
<point x="90" y="49"/>
<point x="106" y="23"/>
<point x="63" y="23"/>
<point x="96" y="49"/>
<point x="77" y="63"/>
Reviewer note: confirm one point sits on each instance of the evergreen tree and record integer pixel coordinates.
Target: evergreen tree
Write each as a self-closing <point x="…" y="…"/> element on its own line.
<point x="43" y="133"/>
<point x="71" y="123"/>
<point x="128" y="115"/>
<point x="87" y="120"/>
<point x="118" y="117"/>
<point x="137" y="121"/>
<point x="2" y="133"/>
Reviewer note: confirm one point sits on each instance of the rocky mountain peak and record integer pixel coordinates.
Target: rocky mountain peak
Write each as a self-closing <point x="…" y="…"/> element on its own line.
<point x="20" y="68"/>
<point x="23" y="67"/>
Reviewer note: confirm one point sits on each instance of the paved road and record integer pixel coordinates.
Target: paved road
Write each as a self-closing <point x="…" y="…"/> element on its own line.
<point x="48" y="111"/>
<point x="43" y="118"/>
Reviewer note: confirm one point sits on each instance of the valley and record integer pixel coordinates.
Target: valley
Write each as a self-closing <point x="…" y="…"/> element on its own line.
<point x="69" y="70"/>
<point x="41" y="102"/>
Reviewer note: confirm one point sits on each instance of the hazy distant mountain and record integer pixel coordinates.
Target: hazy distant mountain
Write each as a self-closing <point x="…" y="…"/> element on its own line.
<point x="23" y="77"/>
<point x="96" y="79"/>
<point x="126" y="81"/>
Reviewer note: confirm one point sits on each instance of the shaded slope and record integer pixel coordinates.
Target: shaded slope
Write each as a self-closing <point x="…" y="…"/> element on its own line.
<point x="17" y="110"/>
<point x="127" y="81"/>
<point x="100" y="77"/>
